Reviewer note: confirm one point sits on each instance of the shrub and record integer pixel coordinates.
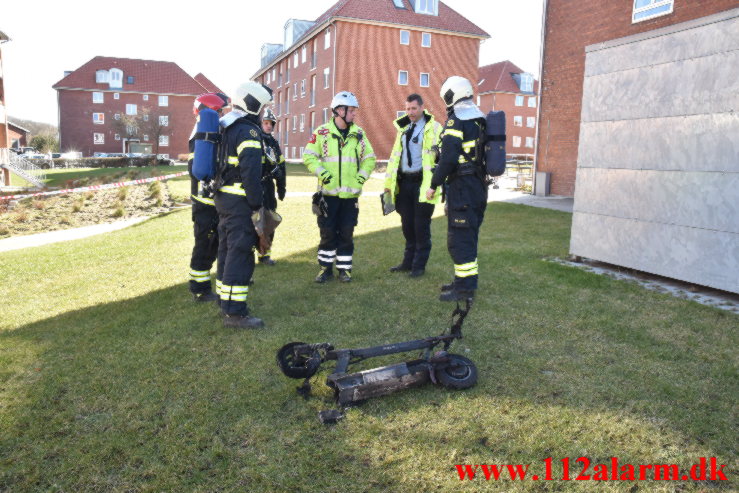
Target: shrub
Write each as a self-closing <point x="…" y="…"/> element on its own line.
<point x="21" y="216"/>
<point x="122" y="193"/>
<point x="39" y="205"/>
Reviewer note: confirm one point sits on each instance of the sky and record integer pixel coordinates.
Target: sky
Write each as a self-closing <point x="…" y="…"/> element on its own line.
<point x="222" y="41"/>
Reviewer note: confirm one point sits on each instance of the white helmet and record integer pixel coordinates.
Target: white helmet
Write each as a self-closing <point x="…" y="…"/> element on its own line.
<point x="344" y="98"/>
<point x="251" y="97"/>
<point x="455" y="88"/>
<point x="269" y="115"/>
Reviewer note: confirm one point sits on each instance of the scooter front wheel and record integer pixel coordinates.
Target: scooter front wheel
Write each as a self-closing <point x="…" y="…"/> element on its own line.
<point x="458" y="373"/>
<point x="296" y="366"/>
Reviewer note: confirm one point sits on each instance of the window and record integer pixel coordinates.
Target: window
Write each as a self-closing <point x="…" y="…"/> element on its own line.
<point x="312" y="121"/>
<point x="405" y="37"/>
<point x="646" y="9"/>
<point x="279" y="105"/>
<point x="274" y="74"/>
<point x="313" y="90"/>
<point x="101" y="76"/>
<point x="303" y="54"/>
<point x="146" y="97"/>
<point x="295" y="91"/>
<point x="403" y="77"/>
<point x="116" y="95"/>
<point x="399" y="114"/>
<point x="327" y="39"/>
<point x="98" y="138"/>
<point x="295" y="122"/>
<point x="287" y="132"/>
<point x="131" y="109"/>
<point x="399" y="4"/>
<point x="325" y="115"/>
<point x="117" y="116"/>
<point x="131" y="130"/>
<point x="146" y="117"/>
<point x="531" y="121"/>
<point x="287" y="101"/>
<point x="266" y="78"/>
<point x="115" y="77"/>
<point x="518" y="121"/>
<point x="530" y="142"/>
<point x="516" y="141"/>
<point x="519" y="100"/>
<point x="424" y="80"/>
<point x="430" y="7"/>
<point x="164" y="120"/>
<point x="314" y="55"/>
<point x="302" y="122"/>
<point x="98" y="97"/>
<point x="130" y="79"/>
<point x="164" y="140"/>
<point x="527" y="83"/>
<point x="302" y="88"/>
<point x="426" y="40"/>
<point x="326" y="75"/>
<point x="117" y="137"/>
<point x="163" y="100"/>
<point x="295" y="60"/>
<point x="287" y="72"/>
<point x="146" y="137"/>
<point x="532" y="102"/>
<point x="279" y="80"/>
<point x="98" y="118"/>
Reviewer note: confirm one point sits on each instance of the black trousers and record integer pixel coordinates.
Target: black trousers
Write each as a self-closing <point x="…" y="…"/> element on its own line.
<point x="467" y="199"/>
<point x="235" y="252"/>
<point x="269" y="201"/>
<point x="337" y="233"/>
<point x="415" y="218"/>
<point x="205" y="229"/>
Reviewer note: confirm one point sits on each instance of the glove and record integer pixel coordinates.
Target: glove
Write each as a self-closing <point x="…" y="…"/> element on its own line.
<point x="278" y="173"/>
<point x="361" y="179"/>
<point x="281" y="194"/>
<point x="325" y="177"/>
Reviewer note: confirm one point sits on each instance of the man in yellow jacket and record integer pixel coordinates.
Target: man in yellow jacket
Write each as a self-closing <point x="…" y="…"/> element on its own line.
<point x="341" y="156"/>
<point x="409" y="173"/>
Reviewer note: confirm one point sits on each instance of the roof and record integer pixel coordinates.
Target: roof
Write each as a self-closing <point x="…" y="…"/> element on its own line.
<point x="498" y="77"/>
<point x="18" y="127"/>
<point x="150" y="76"/>
<point x="207" y="84"/>
<point x="4" y="37"/>
<point x="386" y="12"/>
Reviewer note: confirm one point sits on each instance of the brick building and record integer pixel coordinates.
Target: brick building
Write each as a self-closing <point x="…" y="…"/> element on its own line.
<point x="503" y="86"/>
<point x="4" y="141"/>
<point x="382" y="50"/>
<point x="156" y="97"/>
<point x="568" y="29"/>
<point x="17" y="136"/>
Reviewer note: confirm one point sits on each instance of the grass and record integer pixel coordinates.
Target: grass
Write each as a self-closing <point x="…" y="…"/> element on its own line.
<point x="62" y="177"/>
<point x="112" y="380"/>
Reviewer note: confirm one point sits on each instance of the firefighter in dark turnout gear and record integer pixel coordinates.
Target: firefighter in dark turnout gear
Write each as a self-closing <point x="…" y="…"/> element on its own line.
<point x="238" y="196"/>
<point x="204" y="215"/>
<point x="461" y="170"/>
<point x="273" y="173"/>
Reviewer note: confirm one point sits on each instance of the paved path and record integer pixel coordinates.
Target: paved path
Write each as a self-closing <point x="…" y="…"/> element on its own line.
<point x="503" y="194"/>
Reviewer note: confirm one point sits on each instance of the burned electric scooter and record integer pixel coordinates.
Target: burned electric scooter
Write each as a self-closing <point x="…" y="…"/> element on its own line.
<point x="300" y="360"/>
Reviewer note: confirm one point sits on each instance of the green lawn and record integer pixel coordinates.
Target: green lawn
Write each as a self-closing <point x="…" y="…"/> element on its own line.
<point x="111" y="379"/>
<point x="60" y="177"/>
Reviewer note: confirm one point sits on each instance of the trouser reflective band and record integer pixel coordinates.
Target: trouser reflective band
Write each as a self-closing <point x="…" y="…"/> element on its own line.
<point x="466" y="270"/>
<point x="219" y="285"/>
<point x="200" y="275"/>
<point x="344" y="262"/>
<point x="326" y="257"/>
<point x="234" y="293"/>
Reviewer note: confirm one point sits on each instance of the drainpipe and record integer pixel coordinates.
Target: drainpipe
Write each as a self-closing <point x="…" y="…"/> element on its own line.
<point x="541" y="89"/>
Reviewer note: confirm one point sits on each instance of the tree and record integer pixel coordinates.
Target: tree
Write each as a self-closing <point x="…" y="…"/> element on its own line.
<point x="45" y="142"/>
<point x="154" y="125"/>
<point x="148" y="123"/>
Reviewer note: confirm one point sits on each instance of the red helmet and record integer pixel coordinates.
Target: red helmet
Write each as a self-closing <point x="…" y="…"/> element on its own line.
<point x="213" y="100"/>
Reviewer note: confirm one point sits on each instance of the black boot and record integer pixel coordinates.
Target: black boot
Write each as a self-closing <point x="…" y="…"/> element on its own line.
<point x="324" y="275"/>
<point x="205" y="297"/>
<point x="242" y="322"/>
<point x="345" y="275"/>
<point x="266" y="260"/>
<point x="447" y="287"/>
<point x="400" y="268"/>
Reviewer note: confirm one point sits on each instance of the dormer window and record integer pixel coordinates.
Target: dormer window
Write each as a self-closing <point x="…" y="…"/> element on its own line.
<point x="116" y="78"/>
<point x="430" y="7"/>
<point x="527" y="83"/>
<point x="399" y="4"/>
<point x="101" y="76"/>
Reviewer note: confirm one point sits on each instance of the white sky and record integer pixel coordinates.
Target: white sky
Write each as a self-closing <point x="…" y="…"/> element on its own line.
<point x="51" y="36"/>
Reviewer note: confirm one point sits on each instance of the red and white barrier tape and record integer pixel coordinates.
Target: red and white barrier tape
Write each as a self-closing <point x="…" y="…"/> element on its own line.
<point x="95" y="187"/>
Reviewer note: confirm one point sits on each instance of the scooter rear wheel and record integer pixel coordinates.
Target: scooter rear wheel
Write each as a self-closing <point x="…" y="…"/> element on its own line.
<point x="296" y="367"/>
<point x="458" y="373"/>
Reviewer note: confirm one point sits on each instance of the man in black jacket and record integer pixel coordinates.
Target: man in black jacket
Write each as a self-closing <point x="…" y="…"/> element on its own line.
<point x="273" y="172"/>
<point x="239" y="195"/>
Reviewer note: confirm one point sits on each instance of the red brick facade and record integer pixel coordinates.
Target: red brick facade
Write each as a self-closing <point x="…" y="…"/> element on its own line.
<point x="368" y="57"/>
<point x="17" y="134"/>
<point x="569" y="29"/>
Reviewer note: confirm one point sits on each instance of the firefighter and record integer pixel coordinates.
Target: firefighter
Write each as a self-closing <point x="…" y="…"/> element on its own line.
<point x="273" y="172"/>
<point x="461" y="171"/>
<point x="239" y="195"/>
<point x="408" y="176"/>
<point x="204" y="215"/>
<point x="341" y="156"/>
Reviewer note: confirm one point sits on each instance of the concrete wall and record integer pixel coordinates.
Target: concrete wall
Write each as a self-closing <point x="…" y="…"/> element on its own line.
<point x="658" y="158"/>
